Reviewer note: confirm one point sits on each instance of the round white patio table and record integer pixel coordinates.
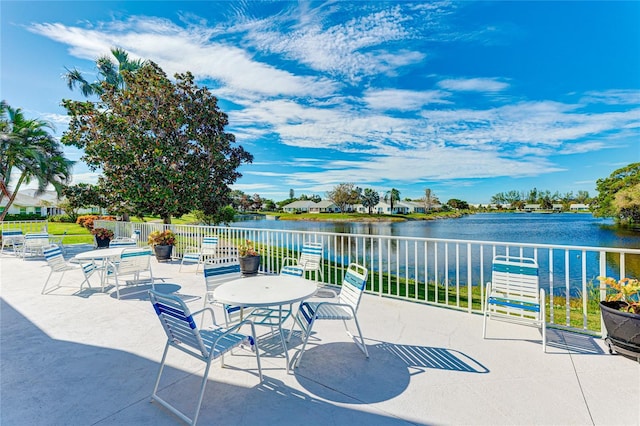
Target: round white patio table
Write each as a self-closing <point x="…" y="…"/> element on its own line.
<point x="103" y="255"/>
<point x="263" y="291"/>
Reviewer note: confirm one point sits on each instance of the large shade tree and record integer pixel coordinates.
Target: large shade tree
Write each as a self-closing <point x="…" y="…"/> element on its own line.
<point x="161" y="145"/>
<point x="344" y="195"/>
<point x="618" y="195"/>
<point x="27" y="147"/>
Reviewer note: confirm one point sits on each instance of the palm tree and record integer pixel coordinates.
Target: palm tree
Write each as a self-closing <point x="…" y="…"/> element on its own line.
<point x="109" y="72"/>
<point x="391" y="197"/>
<point x="27" y="146"/>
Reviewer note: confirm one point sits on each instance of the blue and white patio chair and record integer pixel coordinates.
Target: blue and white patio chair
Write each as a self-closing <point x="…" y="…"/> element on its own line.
<point x="216" y="274"/>
<point x="13" y="238"/>
<point x="122" y="242"/>
<point x="206" y="251"/>
<point x="34" y="243"/>
<point x="310" y="260"/>
<point x="205" y="345"/>
<point x="131" y="262"/>
<point x="56" y="262"/>
<point x="514" y="294"/>
<point x="344" y="309"/>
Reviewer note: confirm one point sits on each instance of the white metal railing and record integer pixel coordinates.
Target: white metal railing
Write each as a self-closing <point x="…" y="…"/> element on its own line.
<point x="445" y="272"/>
<point x="25" y="225"/>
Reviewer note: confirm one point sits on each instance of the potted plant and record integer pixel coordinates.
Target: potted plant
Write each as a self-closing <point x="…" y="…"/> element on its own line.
<point x="103" y="236"/>
<point x="621" y="315"/>
<point x="249" y="258"/>
<point x="162" y="243"/>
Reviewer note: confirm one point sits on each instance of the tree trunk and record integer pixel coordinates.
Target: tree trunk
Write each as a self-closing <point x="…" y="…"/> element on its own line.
<point x="13" y="197"/>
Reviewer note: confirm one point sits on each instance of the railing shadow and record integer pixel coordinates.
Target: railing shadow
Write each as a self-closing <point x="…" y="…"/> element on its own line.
<point x="340" y="372"/>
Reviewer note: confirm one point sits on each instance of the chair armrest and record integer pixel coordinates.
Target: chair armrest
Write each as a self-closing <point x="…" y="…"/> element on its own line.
<point x="202" y="311"/>
<point x="286" y="259"/>
<point x="191" y="249"/>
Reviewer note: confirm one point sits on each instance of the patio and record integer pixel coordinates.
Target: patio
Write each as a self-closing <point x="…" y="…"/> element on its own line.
<point x="87" y="358"/>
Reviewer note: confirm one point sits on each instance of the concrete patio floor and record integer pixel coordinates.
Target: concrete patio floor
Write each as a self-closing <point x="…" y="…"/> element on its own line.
<point x="86" y="358"/>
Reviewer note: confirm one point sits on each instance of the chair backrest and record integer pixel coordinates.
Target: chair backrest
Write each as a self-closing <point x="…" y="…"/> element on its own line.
<point x="209" y="245"/>
<point x="122" y="242"/>
<point x="353" y="285"/>
<point x="516" y="277"/>
<point x="177" y="322"/>
<point x="311" y="256"/>
<point x="36" y="239"/>
<point x="219" y="273"/>
<point x="11" y="233"/>
<point x="134" y="260"/>
<point x="54" y="257"/>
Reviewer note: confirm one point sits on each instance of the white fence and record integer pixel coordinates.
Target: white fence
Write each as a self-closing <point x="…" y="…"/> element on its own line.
<point x="25" y="225"/>
<point x="444" y="272"/>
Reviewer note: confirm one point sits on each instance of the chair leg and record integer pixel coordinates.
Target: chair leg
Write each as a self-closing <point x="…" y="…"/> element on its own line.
<point x="46" y="282"/>
<point x="361" y="344"/>
<point x="307" y="333"/>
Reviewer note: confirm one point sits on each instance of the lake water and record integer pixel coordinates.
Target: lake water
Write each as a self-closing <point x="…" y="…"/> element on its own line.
<point x="568" y="228"/>
<point x="559" y="229"/>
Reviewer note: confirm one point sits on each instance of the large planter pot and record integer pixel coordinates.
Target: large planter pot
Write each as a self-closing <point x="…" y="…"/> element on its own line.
<point x="249" y="264"/>
<point x="163" y="253"/>
<point x="623" y="329"/>
<point x="102" y="242"/>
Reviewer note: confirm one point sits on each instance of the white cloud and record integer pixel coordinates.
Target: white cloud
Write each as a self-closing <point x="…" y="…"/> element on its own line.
<point x="474" y="85"/>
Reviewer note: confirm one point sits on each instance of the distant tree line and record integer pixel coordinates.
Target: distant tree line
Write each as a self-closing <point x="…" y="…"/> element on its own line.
<point x="546" y="199"/>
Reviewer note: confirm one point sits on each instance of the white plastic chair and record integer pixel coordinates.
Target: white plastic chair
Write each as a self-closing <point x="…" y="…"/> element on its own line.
<point x="13" y="238"/>
<point x="132" y="261"/>
<point x="122" y="242"/>
<point x="514" y="294"/>
<point x="216" y="274"/>
<point x="205" y="345"/>
<point x="344" y="309"/>
<point x="199" y="255"/>
<point x="56" y="262"/>
<point x="310" y="260"/>
<point x="34" y="243"/>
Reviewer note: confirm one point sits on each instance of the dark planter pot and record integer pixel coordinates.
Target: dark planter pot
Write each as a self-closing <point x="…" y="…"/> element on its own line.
<point x="102" y="242"/>
<point x="249" y="264"/>
<point x="623" y="329"/>
<point x="163" y="253"/>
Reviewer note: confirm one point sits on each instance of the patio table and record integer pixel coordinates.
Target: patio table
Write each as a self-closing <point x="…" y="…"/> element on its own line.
<point x="264" y="291"/>
<point x="102" y="255"/>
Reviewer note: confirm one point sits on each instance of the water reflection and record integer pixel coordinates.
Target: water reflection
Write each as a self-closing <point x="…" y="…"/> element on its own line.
<point x="440" y="258"/>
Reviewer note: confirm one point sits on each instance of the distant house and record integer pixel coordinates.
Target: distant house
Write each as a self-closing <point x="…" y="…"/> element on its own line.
<point x="324" y="206"/>
<point x="27" y="202"/>
<point x="578" y="207"/>
<point x="531" y="207"/>
<point x="299" y="206"/>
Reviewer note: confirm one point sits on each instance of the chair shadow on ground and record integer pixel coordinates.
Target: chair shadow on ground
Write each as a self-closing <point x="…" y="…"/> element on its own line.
<point x="574" y="343"/>
<point x="95" y="374"/>
<point x="336" y="371"/>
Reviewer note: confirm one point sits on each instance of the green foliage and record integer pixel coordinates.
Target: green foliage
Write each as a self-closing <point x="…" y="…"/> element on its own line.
<point x="344" y="195"/>
<point x="454" y="203"/>
<point x="391" y="197"/>
<point x="160" y="145"/>
<point x="624" y="207"/>
<point x="27" y="147"/>
<point x="369" y="199"/>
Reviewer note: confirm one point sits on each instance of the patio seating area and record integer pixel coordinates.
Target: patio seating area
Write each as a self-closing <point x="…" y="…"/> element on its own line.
<point x="81" y="356"/>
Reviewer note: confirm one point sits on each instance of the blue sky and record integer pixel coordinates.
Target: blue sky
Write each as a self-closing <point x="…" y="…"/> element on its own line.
<point x="465" y="98"/>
